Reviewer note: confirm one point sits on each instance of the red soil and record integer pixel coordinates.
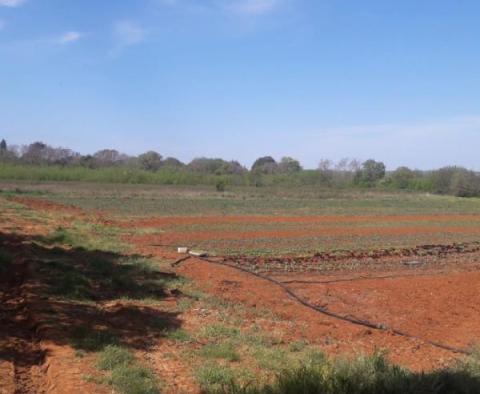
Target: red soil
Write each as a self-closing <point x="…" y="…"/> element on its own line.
<point x="438" y="302"/>
<point x="175" y="237"/>
<point x="205" y="220"/>
<point x="439" y="306"/>
<point x="44" y="205"/>
<point x="339" y="337"/>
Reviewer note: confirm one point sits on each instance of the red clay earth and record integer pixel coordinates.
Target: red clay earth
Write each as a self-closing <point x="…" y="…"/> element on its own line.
<point x="33" y="356"/>
<point x="439" y="300"/>
<point x="44" y="205"/>
<point x="433" y="305"/>
<point x="260" y="219"/>
<point x="205" y="235"/>
<point x="425" y="303"/>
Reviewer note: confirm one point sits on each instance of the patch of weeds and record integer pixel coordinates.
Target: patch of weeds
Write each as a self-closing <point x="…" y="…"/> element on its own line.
<point x="134" y="379"/>
<point x="217" y="303"/>
<point x="274" y="359"/>
<point x="98" y="237"/>
<point x="113" y="356"/>
<point x="315" y="357"/>
<point x="60" y="236"/>
<point x="297" y="346"/>
<point x="66" y="281"/>
<point x="179" y="335"/>
<point x="219" y="331"/>
<point x="176" y="283"/>
<point x="224" y="351"/>
<point x="184" y="304"/>
<point x="90" y="340"/>
<point x="263" y="340"/>
<point x="126" y="376"/>
<point x="215" y="378"/>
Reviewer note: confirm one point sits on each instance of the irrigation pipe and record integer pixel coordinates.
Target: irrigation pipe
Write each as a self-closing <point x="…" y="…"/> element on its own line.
<point x="349" y="319"/>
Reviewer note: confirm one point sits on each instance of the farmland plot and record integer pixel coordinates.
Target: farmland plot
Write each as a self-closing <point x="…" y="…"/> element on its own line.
<point x="280" y="286"/>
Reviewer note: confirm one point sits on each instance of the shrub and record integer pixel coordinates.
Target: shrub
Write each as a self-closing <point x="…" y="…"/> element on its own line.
<point x="371" y="172"/>
<point x="220" y="185"/>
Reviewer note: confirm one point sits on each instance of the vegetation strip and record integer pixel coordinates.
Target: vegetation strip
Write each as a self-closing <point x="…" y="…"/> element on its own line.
<point x="350" y="319"/>
<point x="345" y="255"/>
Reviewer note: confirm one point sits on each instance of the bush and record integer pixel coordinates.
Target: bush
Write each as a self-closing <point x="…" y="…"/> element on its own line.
<point x="372" y="171"/>
<point x="220" y="185"/>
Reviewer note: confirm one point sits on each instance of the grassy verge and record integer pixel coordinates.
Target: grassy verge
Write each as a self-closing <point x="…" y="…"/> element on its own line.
<point x="365" y="375"/>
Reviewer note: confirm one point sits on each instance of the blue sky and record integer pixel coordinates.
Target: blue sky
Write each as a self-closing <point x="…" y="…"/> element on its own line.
<point x="398" y="81"/>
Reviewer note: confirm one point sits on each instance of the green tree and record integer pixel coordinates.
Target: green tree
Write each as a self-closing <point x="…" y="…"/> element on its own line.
<point x="289" y="165"/>
<point x="402" y="177"/>
<point x="265" y="165"/>
<point x="150" y="161"/>
<point x="371" y="172"/>
<point x="172" y="162"/>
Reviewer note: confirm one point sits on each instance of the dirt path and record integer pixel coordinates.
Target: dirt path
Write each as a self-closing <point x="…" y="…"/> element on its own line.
<point x="21" y="346"/>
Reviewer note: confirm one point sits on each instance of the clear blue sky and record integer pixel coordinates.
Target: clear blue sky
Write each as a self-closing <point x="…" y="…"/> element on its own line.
<point x="398" y="81"/>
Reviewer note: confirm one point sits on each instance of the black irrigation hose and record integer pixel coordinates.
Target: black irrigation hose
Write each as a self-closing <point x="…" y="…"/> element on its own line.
<point x="349" y="319"/>
<point x="181" y="260"/>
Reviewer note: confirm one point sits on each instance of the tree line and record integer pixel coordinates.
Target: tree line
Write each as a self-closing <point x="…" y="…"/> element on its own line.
<point x="55" y="163"/>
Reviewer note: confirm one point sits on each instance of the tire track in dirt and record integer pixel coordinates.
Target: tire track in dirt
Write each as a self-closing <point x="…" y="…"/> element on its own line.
<point x="22" y="346"/>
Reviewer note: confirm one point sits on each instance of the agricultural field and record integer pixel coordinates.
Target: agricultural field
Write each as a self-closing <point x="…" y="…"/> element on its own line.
<point x="334" y="284"/>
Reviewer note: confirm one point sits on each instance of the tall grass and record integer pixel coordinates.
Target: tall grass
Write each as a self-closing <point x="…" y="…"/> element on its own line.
<point x="366" y="375"/>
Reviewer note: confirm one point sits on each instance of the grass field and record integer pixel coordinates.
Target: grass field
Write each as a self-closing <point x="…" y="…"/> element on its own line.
<point x="89" y="266"/>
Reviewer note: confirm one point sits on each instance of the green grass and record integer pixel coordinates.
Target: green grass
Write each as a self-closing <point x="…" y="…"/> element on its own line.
<point x="366" y="375"/>
<point x="151" y="200"/>
<point x="134" y="380"/>
<point x="180" y="335"/>
<point x="244" y="202"/>
<point x="124" y="372"/>
<point x="113" y="357"/>
<point x="214" y="377"/>
<point x="219" y="331"/>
